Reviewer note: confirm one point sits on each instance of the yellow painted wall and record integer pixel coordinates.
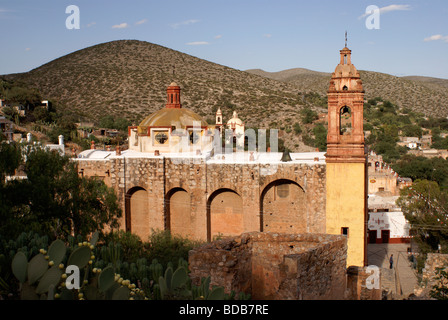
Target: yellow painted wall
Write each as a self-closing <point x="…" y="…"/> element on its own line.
<point x="346" y="207"/>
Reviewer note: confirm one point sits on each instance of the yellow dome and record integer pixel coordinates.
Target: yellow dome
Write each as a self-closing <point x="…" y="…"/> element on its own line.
<point x="168" y="117"/>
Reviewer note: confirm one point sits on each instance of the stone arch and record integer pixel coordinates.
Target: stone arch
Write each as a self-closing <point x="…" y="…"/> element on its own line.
<point x="137" y="212"/>
<point x="178" y="212"/>
<point x="283" y="207"/>
<point x="224" y="214"/>
<point x="345" y="120"/>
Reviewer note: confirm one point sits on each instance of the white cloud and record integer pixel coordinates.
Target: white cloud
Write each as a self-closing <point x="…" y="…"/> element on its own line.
<point x="120" y="26"/>
<point x="395" y="7"/>
<point x="267" y="35"/>
<point x="197" y="43"/>
<point x="391" y="8"/>
<point x="437" y="37"/>
<point x="141" y="21"/>
<point x="218" y="36"/>
<point x="184" y="23"/>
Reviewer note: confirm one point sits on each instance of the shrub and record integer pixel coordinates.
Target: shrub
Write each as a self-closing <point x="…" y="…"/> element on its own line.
<point x="166" y="247"/>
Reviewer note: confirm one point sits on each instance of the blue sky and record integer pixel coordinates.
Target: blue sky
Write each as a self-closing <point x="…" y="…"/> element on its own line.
<point x="272" y="35"/>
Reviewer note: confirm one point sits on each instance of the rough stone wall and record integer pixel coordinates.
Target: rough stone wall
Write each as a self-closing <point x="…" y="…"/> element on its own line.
<point x="161" y="177"/>
<point x="275" y="266"/>
<point x="357" y="288"/>
<point x="433" y="262"/>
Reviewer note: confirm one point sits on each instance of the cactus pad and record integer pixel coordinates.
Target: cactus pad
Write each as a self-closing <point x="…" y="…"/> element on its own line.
<point x="19" y="266"/>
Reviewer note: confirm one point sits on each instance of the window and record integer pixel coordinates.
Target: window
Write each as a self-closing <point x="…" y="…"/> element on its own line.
<point x="344" y="231"/>
<point x="283" y="190"/>
<point x="161" y="137"/>
<point x="345" y="121"/>
<point x="194" y="137"/>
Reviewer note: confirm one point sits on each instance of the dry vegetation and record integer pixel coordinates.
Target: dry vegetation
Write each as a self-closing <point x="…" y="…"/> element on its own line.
<point x="420" y="94"/>
<point x="128" y="78"/>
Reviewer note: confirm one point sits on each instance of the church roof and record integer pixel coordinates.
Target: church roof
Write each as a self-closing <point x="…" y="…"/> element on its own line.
<point x="173" y="114"/>
<point x="168" y="117"/>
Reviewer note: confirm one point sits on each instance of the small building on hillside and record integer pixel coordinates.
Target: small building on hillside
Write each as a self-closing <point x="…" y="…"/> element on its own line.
<point x="6" y="128"/>
<point x="412" y="143"/>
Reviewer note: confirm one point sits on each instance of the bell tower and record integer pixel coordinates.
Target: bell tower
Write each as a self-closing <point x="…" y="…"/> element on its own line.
<point x="345" y="141"/>
<point x="346" y="160"/>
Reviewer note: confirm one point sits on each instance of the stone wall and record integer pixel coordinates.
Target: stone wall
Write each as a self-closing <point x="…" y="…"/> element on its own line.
<point x="433" y="262"/>
<point x="172" y="184"/>
<point x="357" y="288"/>
<point x="275" y="266"/>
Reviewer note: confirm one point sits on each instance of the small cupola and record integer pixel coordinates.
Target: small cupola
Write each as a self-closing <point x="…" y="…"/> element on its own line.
<point x="173" y="96"/>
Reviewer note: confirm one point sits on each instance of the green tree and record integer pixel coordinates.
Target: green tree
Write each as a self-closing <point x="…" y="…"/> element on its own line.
<point x="107" y="122"/>
<point x="320" y="137"/>
<point x="10" y="192"/>
<point x="425" y="206"/>
<point x="66" y="126"/>
<point x="22" y="95"/>
<point x="121" y="124"/>
<point x="421" y="168"/>
<point x="56" y="201"/>
<point x="297" y="128"/>
<point x="412" y="130"/>
<point x="308" y="115"/>
<point x="10" y="158"/>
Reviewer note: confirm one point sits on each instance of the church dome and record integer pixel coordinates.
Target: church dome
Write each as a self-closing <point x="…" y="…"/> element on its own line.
<point x="173" y="115"/>
<point x="168" y="117"/>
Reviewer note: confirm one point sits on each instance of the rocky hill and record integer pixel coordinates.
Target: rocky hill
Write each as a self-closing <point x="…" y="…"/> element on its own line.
<point x="128" y="78"/>
<point x="421" y="94"/>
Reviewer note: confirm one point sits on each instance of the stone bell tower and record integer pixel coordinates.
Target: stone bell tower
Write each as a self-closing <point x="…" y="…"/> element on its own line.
<point x="346" y="160"/>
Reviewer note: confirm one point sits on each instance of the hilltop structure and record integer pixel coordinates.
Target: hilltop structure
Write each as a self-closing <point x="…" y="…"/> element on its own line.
<point x="176" y="176"/>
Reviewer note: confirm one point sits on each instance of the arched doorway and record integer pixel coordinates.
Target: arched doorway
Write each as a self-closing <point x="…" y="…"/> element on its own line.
<point x="283" y="208"/>
<point x="224" y="214"/>
<point x="137" y="212"/>
<point x="178" y="212"/>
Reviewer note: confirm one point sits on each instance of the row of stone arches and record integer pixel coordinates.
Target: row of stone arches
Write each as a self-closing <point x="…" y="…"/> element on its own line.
<point x="282" y="208"/>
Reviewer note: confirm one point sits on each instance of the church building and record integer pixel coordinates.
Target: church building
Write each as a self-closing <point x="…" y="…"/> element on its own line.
<point x="175" y="176"/>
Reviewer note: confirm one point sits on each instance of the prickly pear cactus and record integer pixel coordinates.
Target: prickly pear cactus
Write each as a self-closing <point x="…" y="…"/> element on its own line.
<point x="44" y="277"/>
